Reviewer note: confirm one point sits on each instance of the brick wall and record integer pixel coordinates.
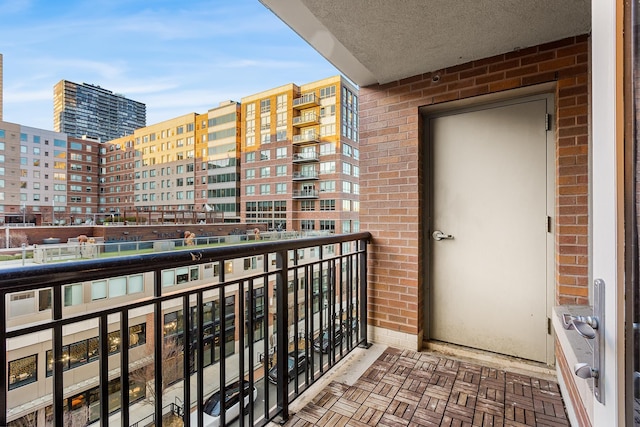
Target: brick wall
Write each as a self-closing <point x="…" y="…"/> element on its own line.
<point x="392" y="170"/>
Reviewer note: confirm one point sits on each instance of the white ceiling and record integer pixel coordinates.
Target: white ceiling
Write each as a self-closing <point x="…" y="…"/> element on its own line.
<point x="379" y="41"/>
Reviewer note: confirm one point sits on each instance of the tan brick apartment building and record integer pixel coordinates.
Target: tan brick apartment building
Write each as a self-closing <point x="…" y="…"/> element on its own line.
<point x="300" y="157"/>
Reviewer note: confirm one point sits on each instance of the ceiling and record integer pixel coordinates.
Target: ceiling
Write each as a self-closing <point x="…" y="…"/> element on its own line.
<point x="379" y="41"/>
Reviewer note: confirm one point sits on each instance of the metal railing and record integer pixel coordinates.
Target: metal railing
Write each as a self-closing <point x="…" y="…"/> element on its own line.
<point x="247" y="310"/>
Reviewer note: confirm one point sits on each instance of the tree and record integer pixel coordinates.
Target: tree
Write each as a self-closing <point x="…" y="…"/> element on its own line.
<point x="172" y="362"/>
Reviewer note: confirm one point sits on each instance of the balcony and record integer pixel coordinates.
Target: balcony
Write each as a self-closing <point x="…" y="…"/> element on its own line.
<point x="306" y="194"/>
<point x="306" y="101"/>
<point x="306" y="120"/>
<point x="227" y="317"/>
<point x="305" y="175"/>
<point x="306" y="138"/>
<point x="306" y="156"/>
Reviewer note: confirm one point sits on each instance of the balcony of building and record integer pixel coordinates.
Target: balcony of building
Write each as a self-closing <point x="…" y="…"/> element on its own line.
<point x="306" y="156"/>
<point x="308" y="137"/>
<point x="314" y="289"/>
<point x="307" y="119"/>
<point x="305" y="101"/>
<point x="306" y="174"/>
<point x="305" y="193"/>
<point x="260" y="322"/>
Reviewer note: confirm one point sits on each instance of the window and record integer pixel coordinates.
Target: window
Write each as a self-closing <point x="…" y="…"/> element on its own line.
<point x="281" y="102"/>
<point x="265" y="106"/>
<point x="265" y="188"/>
<point x="329" y="110"/>
<point x="307" y="224"/>
<point x="250" y="190"/>
<point x="327" y="92"/>
<point x="328" y="148"/>
<point x="281" y="119"/>
<point x="328" y="205"/>
<point x="265" y="123"/>
<point x="251" y="110"/>
<point x="281" y="188"/>
<point x="265" y="155"/>
<point x="250" y="126"/>
<point x="327" y="167"/>
<point x="328" y="130"/>
<point x="23" y="371"/>
<point x="98" y="290"/>
<point x="346" y="168"/>
<point x="250" y="174"/>
<point x="327" y="186"/>
<point x="265" y="172"/>
<point x="281" y="153"/>
<point x="308" y="205"/>
<point x="328" y="225"/>
<point x="281" y="135"/>
<point x="281" y="170"/>
<point x="250" y="157"/>
<point x="72" y="295"/>
<point x="346" y="187"/>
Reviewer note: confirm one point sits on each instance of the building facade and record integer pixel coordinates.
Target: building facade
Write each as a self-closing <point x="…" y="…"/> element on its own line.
<point x="88" y="110"/>
<point x="301" y="158"/>
<point x="34" y="173"/>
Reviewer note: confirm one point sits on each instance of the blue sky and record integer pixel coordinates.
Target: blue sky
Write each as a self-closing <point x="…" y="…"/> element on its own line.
<point x="175" y="56"/>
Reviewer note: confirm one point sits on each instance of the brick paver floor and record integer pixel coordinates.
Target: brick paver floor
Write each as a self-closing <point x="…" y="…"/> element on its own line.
<point x="408" y="388"/>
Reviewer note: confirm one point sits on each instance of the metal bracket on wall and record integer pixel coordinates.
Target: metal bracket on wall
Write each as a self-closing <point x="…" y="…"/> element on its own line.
<point x="591" y="328"/>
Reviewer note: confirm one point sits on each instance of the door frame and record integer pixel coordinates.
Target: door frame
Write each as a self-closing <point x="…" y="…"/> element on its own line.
<point x="543" y="91"/>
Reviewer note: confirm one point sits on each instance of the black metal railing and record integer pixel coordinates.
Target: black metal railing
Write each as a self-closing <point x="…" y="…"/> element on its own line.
<point x="181" y="326"/>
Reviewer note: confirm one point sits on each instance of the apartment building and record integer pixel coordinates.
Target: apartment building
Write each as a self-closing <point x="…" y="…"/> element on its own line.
<point x="33" y="173"/>
<point x="301" y="158"/>
<point x="217" y="179"/>
<point x="85" y="109"/>
<point x="83" y="180"/>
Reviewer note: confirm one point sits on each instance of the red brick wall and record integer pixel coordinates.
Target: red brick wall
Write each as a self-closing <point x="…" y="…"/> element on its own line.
<point x="392" y="170"/>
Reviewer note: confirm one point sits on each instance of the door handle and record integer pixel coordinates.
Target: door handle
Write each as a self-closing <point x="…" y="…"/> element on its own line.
<point x="439" y="235"/>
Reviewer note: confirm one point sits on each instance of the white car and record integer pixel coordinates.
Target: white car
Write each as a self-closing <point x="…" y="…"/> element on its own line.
<point x="211" y="407"/>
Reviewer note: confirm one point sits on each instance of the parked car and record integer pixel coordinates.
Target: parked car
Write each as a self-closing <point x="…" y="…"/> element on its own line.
<point x="291" y="363"/>
<point x="322" y="342"/>
<point x="211" y="407"/>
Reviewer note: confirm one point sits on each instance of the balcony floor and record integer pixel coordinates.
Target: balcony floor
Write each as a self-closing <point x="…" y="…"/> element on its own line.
<point x="408" y="388"/>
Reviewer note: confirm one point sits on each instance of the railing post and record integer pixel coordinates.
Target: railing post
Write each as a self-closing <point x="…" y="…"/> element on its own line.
<point x="282" y="322"/>
<point x="3" y="360"/>
<point x="362" y="279"/>
<point x="158" y="339"/>
<point x="58" y="380"/>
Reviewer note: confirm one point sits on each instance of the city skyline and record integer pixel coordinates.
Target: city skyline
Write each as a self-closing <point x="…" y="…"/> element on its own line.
<point x="174" y="58"/>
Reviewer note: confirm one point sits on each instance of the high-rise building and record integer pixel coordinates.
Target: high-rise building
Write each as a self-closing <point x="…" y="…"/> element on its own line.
<point x="88" y="110"/>
<point x="300" y="157"/>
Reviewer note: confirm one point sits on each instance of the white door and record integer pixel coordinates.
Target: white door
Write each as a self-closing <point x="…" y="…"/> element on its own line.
<point x="490" y="194"/>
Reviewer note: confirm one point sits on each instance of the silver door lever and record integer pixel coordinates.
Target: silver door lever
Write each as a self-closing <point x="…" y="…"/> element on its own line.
<point x="439" y="235"/>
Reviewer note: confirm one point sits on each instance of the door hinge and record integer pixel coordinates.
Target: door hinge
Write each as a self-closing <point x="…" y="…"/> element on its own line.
<point x="548" y="326"/>
<point x="548" y="224"/>
<point x="547" y="122"/>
